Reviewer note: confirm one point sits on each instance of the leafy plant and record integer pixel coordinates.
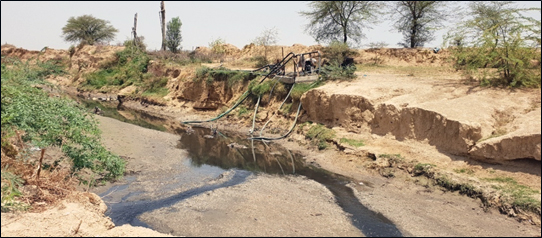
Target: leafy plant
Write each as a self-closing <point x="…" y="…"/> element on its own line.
<point x="336" y="52"/>
<point x="10" y="191"/>
<point x="51" y="121"/>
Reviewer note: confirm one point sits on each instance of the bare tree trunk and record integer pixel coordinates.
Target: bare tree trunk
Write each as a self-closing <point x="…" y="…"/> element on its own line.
<point x="134" y="31"/>
<point x="163" y="24"/>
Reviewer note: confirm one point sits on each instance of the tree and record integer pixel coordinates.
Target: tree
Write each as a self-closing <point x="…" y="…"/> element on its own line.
<point x="417" y="20"/>
<point x="173" y="35"/>
<point x="341" y="20"/>
<point x="267" y="37"/>
<point x="88" y="29"/>
<point x="497" y="35"/>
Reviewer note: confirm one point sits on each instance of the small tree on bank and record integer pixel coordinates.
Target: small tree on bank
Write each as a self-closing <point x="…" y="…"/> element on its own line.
<point x="498" y="36"/>
<point x="173" y="35"/>
<point x="88" y="30"/>
<point x="267" y="38"/>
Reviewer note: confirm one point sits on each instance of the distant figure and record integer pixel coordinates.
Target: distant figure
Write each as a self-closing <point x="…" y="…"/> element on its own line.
<point x="436" y="50"/>
<point x="300" y="65"/>
<point x="97" y="111"/>
<point x="310" y="65"/>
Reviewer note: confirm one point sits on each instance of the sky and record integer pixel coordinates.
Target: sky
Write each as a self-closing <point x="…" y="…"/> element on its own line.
<point x="33" y="25"/>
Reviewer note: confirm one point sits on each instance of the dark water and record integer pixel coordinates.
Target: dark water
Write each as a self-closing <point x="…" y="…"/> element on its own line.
<point x="213" y="156"/>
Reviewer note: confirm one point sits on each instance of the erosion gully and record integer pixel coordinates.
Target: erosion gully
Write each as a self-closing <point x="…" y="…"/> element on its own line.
<point x="206" y="163"/>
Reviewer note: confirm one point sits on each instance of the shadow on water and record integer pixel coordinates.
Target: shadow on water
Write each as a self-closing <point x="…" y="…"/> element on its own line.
<point x="260" y="157"/>
<point x="236" y="153"/>
<point x="126" y="212"/>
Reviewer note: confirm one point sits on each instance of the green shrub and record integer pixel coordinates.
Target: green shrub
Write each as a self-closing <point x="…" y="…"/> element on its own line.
<point x="222" y="74"/>
<point x="335" y="71"/>
<point x="51" y="121"/>
<point x="129" y="67"/>
<point x="337" y="51"/>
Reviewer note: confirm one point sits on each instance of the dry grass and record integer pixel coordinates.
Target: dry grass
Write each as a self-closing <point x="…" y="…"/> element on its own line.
<point x="53" y="184"/>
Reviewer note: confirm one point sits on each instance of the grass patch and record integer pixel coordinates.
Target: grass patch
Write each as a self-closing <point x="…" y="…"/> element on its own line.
<point x="517" y="194"/>
<point x="464" y="171"/>
<point x="259" y="89"/>
<point x="242" y="110"/>
<point x="233" y="77"/>
<point x="319" y="135"/>
<point x="352" y="142"/>
<point x="301" y="88"/>
<point x="52" y="121"/>
<point x="423" y="168"/>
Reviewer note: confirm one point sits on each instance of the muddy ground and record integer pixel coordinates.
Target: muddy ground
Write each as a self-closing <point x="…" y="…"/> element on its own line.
<point x="417" y="210"/>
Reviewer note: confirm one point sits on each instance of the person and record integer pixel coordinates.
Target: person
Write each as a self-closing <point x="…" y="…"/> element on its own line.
<point x="97" y="110"/>
<point x="436" y="50"/>
<point x="300" y="64"/>
<point x="310" y="64"/>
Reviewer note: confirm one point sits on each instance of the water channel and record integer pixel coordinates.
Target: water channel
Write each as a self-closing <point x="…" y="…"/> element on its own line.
<point x="208" y="160"/>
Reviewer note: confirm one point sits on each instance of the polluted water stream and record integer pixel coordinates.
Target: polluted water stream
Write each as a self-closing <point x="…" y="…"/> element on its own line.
<point x="218" y="160"/>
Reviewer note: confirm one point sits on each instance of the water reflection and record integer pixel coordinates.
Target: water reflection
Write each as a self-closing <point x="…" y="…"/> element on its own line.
<point x="237" y="152"/>
<point x="233" y="152"/>
<point x="257" y="156"/>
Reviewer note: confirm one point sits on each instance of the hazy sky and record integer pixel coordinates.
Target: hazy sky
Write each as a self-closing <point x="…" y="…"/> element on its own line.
<point x="34" y="25"/>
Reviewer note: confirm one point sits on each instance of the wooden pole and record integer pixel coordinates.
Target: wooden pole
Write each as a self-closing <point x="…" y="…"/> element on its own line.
<point x="163" y="24"/>
<point x="39" y="165"/>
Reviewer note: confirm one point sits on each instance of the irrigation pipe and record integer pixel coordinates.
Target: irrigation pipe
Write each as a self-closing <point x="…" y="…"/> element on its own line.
<point x="242" y="99"/>
<point x="255" y="113"/>
<point x="277" y="109"/>
<point x="246" y="96"/>
<point x="293" y="163"/>
<point x="285" y="135"/>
